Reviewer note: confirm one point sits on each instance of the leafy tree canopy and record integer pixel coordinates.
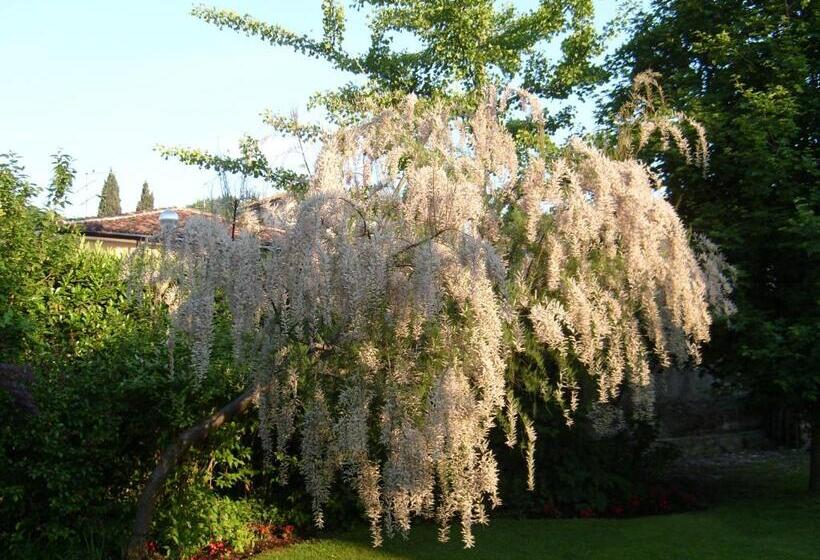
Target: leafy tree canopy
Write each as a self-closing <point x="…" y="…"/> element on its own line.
<point x="463" y="43"/>
<point x="459" y="48"/>
<point x="749" y="72"/>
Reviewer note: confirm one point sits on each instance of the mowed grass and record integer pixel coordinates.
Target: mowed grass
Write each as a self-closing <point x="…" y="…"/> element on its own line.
<point x="761" y="512"/>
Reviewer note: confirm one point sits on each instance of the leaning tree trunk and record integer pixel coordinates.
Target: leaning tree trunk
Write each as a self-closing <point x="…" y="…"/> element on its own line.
<point x="814" y="455"/>
<point x="168" y="462"/>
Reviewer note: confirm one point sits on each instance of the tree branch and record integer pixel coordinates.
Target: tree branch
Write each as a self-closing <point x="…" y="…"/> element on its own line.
<point x="170" y="459"/>
<point x="360" y="213"/>
<point x="421" y="241"/>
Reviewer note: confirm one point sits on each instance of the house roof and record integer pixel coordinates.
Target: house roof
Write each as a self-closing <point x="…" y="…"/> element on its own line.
<point x="136" y="225"/>
<point x="142" y="225"/>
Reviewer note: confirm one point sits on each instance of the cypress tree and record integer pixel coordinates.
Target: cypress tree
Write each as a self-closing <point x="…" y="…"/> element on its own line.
<point x="110" y="197"/>
<point x="146" y="199"/>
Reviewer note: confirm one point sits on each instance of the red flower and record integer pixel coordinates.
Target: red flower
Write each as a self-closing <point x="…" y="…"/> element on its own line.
<point x="586" y="513"/>
<point x="214" y="550"/>
<point x="616" y="510"/>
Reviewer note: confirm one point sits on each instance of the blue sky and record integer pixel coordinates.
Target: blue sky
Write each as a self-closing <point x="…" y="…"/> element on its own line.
<point x="108" y="80"/>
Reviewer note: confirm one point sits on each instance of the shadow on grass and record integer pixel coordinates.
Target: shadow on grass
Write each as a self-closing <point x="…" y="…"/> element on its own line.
<point x="762" y="512"/>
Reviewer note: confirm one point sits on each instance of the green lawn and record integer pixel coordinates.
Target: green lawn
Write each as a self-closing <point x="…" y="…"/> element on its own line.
<point x="760" y="512"/>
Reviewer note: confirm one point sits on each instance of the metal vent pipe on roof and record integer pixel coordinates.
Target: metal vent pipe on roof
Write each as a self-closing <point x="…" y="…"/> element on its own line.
<point x="168" y="219"/>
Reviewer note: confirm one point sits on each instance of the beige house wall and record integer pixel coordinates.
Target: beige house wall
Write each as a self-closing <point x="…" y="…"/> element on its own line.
<point x="113" y="245"/>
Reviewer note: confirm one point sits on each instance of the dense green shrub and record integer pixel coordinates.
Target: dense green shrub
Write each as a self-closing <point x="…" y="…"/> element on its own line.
<point x="194" y="515"/>
<point x="71" y="469"/>
<point x="98" y="383"/>
<point x="224" y="494"/>
<point x="579" y="472"/>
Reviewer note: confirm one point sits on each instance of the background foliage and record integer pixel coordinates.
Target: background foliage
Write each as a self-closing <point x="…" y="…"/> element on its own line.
<point x="749" y="72"/>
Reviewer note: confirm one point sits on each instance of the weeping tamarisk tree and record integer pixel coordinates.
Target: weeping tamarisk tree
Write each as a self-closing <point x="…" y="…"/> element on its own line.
<point x="377" y="325"/>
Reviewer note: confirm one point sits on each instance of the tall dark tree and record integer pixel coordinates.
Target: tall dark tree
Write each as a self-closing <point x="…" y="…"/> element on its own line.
<point x="748" y="70"/>
<point x="110" y="197"/>
<point x="146" y="201"/>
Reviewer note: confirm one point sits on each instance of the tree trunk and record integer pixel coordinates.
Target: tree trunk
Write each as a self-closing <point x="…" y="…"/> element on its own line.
<point x="233" y="218"/>
<point x="168" y="462"/>
<point x="814" y="455"/>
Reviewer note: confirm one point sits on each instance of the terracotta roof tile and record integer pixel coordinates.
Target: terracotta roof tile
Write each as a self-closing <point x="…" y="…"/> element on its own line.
<point x="141" y="225"/>
<point x="137" y="224"/>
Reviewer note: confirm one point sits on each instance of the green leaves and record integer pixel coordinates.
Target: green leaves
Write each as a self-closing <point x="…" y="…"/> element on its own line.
<point x="62" y="179"/>
<point x="251" y="163"/>
<point x="328" y="49"/>
<point x="747" y="71"/>
<point x="292" y="126"/>
<point x="458" y="46"/>
<point x="333" y="24"/>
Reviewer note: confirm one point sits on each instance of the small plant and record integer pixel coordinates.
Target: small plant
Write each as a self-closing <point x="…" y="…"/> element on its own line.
<point x="214" y="550"/>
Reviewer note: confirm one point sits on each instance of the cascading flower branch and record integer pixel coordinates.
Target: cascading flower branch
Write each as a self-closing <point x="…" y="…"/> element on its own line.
<point x="375" y="322"/>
